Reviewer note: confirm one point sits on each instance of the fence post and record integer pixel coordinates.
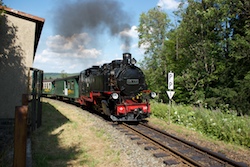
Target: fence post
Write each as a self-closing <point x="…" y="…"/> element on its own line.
<point x="25" y="99"/>
<point x="20" y="136"/>
<point x="34" y="102"/>
<point x="39" y="93"/>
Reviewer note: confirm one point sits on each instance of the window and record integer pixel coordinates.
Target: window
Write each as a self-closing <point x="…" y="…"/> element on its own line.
<point x="72" y="85"/>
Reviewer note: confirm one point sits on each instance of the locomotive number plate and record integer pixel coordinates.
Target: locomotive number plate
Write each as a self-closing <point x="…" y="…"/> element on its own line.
<point x="132" y="81"/>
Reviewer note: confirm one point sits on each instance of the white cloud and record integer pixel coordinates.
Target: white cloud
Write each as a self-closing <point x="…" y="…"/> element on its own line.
<point x="74" y="45"/>
<point x="168" y="4"/>
<point x="67" y="53"/>
<point x="41" y="58"/>
<point x="132" y="32"/>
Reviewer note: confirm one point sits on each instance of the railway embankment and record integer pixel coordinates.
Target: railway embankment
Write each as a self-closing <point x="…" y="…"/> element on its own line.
<point x="71" y="136"/>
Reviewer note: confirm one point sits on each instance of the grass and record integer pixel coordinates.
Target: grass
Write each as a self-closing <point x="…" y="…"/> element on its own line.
<point x="67" y="138"/>
<point x="47" y="150"/>
<point x="215" y="124"/>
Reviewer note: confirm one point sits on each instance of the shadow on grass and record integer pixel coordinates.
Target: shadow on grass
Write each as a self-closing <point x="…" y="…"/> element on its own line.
<point x="46" y="149"/>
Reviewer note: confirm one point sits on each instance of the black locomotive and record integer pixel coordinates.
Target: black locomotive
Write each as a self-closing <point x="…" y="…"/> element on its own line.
<point x="117" y="89"/>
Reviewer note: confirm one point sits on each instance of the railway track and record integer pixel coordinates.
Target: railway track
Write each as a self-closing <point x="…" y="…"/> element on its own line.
<point x="173" y="150"/>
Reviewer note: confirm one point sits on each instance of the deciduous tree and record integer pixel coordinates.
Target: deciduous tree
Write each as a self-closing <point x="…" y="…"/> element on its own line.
<point x="152" y="35"/>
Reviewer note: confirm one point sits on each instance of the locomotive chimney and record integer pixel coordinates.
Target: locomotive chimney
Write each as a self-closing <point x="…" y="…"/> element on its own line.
<point x="126" y="58"/>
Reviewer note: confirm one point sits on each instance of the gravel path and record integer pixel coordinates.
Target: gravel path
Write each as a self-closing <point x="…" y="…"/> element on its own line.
<point x="131" y="154"/>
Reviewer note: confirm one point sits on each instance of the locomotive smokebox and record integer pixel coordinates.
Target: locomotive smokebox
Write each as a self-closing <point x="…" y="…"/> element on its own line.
<point x="126" y="58"/>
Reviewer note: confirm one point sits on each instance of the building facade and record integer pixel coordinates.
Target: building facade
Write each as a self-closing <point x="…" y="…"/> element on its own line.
<point x="19" y="36"/>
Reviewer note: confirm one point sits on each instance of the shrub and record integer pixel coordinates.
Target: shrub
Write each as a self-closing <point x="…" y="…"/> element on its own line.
<point x="216" y="124"/>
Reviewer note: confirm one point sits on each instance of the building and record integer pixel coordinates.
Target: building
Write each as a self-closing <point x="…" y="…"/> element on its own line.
<point x="19" y="33"/>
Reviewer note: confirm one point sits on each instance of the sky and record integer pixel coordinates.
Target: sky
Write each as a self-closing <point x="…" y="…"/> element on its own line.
<point x="78" y="34"/>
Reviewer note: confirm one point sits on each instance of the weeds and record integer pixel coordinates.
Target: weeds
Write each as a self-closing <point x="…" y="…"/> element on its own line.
<point x="216" y="124"/>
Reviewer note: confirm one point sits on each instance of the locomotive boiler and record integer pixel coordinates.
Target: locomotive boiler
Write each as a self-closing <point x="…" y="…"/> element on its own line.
<point x="117" y="89"/>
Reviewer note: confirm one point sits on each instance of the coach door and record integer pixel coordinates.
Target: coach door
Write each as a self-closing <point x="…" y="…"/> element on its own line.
<point x="65" y="88"/>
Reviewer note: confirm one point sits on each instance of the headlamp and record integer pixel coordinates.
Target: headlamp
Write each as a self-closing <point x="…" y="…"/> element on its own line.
<point x="114" y="96"/>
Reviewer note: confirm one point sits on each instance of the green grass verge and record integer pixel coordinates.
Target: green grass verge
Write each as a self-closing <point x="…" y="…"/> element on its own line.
<point x="46" y="150"/>
<point x="223" y="126"/>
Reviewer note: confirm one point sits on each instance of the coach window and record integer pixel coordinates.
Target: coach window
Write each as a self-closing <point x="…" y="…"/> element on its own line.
<point x="68" y="85"/>
<point x="72" y="85"/>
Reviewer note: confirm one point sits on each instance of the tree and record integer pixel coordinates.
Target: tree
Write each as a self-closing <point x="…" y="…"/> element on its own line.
<point x="152" y="34"/>
<point x="63" y="74"/>
<point x="1" y="10"/>
<point x="213" y="46"/>
<point x="191" y="58"/>
<point x="1" y="4"/>
<point x="208" y="51"/>
<point x="239" y="57"/>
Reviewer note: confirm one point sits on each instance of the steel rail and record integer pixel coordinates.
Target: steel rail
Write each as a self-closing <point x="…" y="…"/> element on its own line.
<point x="191" y="161"/>
<point x="209" y="152"/>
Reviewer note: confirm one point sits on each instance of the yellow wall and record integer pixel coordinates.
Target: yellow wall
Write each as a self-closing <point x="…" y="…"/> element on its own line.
<point x="17" y="37"/>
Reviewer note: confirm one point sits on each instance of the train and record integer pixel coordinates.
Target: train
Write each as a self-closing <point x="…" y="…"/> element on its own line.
<point x="116" y="89"/>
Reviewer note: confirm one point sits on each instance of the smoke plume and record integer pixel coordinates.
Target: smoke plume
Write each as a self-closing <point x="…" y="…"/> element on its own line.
<point x="94" y="17"/>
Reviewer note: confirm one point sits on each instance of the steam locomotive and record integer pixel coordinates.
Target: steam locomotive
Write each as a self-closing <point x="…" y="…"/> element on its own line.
<point x="117" y="89"/>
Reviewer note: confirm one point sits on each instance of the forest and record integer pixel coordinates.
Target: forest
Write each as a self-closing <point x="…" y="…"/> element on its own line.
<point x="206" y="46"/>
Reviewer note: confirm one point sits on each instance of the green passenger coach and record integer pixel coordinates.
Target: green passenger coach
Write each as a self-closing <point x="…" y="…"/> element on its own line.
<point x="67" y="87"/>
<point x="49" y="87"/>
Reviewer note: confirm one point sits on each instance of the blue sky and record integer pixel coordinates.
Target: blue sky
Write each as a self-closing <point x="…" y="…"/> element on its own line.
<point x="64" y="47"/>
